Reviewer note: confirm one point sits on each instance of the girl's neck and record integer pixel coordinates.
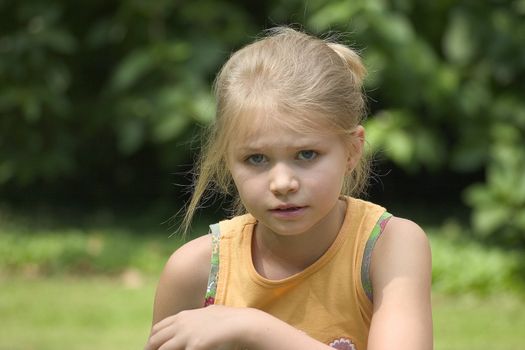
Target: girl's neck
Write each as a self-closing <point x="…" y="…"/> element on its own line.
<point x="277" y="257"/>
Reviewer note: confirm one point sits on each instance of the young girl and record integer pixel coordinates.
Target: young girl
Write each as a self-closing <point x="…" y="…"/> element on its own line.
<point x="307" y="266"/>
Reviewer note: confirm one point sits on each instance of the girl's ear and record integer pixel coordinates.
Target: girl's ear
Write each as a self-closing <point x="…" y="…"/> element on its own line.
<point x="356" y="148"/>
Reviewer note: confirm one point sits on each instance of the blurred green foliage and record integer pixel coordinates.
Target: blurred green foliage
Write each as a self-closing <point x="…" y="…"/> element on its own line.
<point x="80" y="251"/>
<point x="114" y="91"/>
<point x="87" y="88"/>
<point x="461" y="266"/>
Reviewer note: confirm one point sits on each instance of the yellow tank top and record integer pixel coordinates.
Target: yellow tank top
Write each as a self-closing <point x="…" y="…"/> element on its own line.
<point x="330" y="300"/>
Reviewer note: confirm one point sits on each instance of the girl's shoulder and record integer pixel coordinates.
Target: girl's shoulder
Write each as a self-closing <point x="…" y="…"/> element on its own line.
<point x="183" y="282"/>
<point x="400" y="240"/>
<point x="192" y="259"/>
<point x="401" y="252"/>
<point x="401" y="260"/>
<point x="403" y="231"/>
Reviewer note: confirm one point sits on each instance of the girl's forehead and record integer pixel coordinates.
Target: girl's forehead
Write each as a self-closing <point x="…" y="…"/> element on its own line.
<point x="261" y="123"/>
<point x="279" y="130"/>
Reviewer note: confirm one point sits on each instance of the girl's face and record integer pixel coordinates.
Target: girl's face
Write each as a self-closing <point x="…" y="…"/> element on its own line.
<point x="290" y="181"/>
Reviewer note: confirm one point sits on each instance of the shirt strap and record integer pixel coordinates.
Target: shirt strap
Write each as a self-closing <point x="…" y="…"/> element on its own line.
<point x="211" y="289"/>
<point x="367" y="256"/>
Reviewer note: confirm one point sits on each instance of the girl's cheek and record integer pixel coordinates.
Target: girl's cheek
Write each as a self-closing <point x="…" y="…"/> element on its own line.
<point x="246" y="179"/>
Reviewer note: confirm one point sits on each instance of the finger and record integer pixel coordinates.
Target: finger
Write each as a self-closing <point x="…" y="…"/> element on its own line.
<point x="166" y="322"/>
<point x="162" y="336"/>
<point x="164" y="331"/>
<point x="173" y="344"/>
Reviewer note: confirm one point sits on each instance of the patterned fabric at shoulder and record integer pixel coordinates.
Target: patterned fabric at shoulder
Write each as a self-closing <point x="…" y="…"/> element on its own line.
<point x="211" y="289"/>
<point x="367" y="256"/>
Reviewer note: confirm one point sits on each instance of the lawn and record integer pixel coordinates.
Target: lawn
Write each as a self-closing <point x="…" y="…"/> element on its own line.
<point x="470" y="322"/>
<point x="114" y="313"/>
<point x="75" y="313"/>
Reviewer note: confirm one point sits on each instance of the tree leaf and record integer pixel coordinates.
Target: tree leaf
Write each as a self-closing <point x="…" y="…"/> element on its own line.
<point x="459" y="41"/>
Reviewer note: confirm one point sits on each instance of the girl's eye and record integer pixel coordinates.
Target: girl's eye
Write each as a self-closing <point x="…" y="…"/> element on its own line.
<point x="256" y="159"/>
<point x="307" y="155"/>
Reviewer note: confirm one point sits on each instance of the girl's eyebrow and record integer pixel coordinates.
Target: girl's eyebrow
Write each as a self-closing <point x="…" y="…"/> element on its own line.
<point x="247" y="149"/>
<point x="254" y="148"/>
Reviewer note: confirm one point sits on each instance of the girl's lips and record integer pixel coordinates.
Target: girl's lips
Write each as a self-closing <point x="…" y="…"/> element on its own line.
<point x="288" y="211"/>
<point x="287" y="207"/>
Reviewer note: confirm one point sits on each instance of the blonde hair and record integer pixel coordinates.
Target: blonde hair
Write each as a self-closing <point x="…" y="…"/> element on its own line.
<point x="306" y="79"/>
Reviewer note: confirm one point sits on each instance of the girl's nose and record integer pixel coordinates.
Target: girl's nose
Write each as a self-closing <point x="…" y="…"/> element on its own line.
<point x="283" y="180"/>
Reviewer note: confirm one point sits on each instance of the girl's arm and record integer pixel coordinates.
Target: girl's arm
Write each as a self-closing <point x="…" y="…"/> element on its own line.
<point x="401" y="274"/>
<point x="180" y="322"/>
<point x="183" y="281"/>
<point x="227" y="328"/>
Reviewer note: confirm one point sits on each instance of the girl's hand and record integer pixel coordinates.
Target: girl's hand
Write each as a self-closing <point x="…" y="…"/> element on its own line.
<point x="213" y="327"/>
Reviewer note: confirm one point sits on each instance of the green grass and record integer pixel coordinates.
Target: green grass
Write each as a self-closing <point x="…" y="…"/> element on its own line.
<point x="74" y="313"/>
<point x="473" y="322"/>
<point x="103" y="313"/>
